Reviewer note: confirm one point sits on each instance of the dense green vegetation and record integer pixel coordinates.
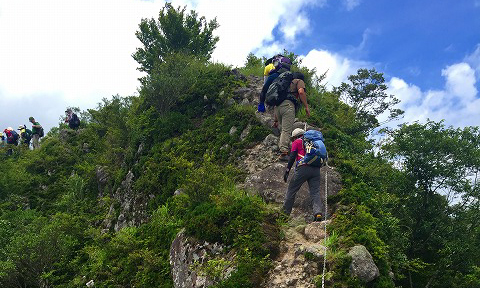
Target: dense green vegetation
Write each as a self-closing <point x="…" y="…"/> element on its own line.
<point x="56" y="219"/>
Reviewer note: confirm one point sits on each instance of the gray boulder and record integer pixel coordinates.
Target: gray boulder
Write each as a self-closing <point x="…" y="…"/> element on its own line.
<point x="362" y="265"/>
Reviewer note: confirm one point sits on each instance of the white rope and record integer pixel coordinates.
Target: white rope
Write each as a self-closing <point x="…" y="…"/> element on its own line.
<point x="325" y="230"/>
<point x="325" y="224"/>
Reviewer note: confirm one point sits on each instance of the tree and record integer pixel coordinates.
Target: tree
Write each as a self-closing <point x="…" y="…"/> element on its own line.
<point x="175" y="31"/>
<point x="366" y="94"/>
<point x="253" y="61"/>
<point x="443" y="163"/>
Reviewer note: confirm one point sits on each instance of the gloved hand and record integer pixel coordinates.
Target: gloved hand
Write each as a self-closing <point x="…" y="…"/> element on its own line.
<point x="261" y="107"/>
<point x="285" y="176"/>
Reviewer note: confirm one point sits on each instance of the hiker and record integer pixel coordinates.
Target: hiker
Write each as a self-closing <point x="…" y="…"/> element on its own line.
<point x="280" y="64"/>
<point x="303" y="172"/>
<point x="72" y="119"/>
<point x="37" y="132"/>
<point x="12" y="138"/>
<point x="268" y="67"/>
<point x="2" y="140"/>
<point x="25" y="134"/>
<point x="11" y="135"/>
<point x="285" y="112"/>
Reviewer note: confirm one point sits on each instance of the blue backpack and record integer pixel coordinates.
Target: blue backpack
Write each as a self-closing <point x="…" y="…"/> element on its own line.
<point x="315" y="150"/>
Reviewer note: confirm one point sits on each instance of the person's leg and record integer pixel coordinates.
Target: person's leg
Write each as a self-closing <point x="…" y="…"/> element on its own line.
<point x="314" y="189"/>
<point x="293" y="187"/>
<point x="286" y="120"/>
<point x="35" y="143"/>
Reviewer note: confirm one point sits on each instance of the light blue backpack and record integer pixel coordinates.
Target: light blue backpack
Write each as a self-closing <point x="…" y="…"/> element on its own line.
<point x="315" y="150"/>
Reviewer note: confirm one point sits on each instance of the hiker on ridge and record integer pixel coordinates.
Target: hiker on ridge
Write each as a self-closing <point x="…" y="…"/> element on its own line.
<point x="37" y="132"/>
<point x="72" y="119"/>
<point x="2" y="140"/>
<point x="11" y="135"/>
<point x="25" y="134"/>
<point x="12" y="139"/>
<point x="285" y="112"/>
<point x="303" y="172"/>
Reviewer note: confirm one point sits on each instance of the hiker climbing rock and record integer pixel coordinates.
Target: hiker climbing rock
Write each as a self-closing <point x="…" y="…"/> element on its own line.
<point x="268" y="67"/>
<point x="280" y="64"/>
<point x="72" y="119"/>
<point x="309" y="171"/>
<point x="37" y="132"/>
<point x="286" y="93"/>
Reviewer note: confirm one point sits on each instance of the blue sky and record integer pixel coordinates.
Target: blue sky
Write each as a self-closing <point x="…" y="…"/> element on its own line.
<point x="59" y="53"/>
<point x="410" y="39"/>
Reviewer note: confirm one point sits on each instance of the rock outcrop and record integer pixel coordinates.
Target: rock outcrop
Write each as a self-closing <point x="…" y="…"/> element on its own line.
<point x="132" y="207"/>
<point x="362" y="265"/>
<point x="188" y="257"/>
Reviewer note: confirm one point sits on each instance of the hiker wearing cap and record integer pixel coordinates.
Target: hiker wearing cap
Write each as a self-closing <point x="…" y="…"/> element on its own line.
<point x="72" y="119"/>
<point x="25" y="134"/>
<point x="285" y="112"/>
<point x="303" y="172"/>
<point x="37" y="132"/>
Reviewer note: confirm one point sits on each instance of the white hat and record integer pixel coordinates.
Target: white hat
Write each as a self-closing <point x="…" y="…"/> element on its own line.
<point x="297" y="132"/>
<point x="10" y="129"/>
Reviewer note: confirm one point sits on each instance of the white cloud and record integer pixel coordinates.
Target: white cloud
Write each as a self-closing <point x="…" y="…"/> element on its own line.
<point x="458" y="103"/>
<point x="74" y="53"/>
<point x="338" y="68"/>
<point x="351" y="4"/>
<point x="247" y="26"/>
<point x="460" y="81"/>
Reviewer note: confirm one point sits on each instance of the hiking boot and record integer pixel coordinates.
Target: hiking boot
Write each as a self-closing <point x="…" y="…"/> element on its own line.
<point x="317" y="218"/>
<point x="283" y="157"/>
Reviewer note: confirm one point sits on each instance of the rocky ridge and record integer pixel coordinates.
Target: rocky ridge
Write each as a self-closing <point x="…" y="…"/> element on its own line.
<point x="300" y="261"/>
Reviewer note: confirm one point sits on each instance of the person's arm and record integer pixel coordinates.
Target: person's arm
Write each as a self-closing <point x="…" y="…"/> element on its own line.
<point x="291" y="160"/>
<point x="303" y="98"/>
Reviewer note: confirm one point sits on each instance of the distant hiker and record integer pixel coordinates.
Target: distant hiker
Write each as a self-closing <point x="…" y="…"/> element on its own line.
<point x="303" y="172"/>
<point x="37" y="132"/>
<point x="280" y="64"/>
<point x="2" y="140"/>
<point x="11" y="135"/>
<point x="286" y="103"/>
<point x="12" y="139"/>
<point x="72" y="119"/>
<point x="25" y="134"/>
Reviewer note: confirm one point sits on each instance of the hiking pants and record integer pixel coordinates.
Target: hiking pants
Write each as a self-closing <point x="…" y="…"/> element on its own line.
<point x="35" y="139"/>
<point x="312" y="176"/>
<point x="286" y="117"/>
